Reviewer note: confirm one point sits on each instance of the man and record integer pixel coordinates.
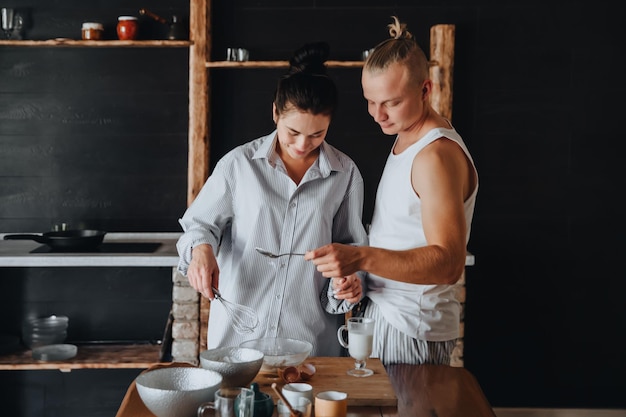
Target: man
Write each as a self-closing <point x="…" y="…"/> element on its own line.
<point x="422" y="216"/>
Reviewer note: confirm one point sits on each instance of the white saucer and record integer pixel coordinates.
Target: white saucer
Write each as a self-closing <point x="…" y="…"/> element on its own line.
<point x="55" y="352"/>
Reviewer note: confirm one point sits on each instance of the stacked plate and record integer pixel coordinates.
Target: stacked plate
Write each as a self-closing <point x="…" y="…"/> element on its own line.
<point x="44" y="331"/>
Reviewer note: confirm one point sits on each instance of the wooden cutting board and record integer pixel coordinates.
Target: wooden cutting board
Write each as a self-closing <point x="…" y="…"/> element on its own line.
<point x="330" y="375"/>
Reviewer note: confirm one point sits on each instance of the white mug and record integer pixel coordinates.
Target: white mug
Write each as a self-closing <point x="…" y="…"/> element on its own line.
<point x="295" y="390"/>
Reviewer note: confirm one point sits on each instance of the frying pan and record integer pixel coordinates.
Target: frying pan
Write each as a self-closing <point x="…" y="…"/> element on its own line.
<point x="66" y="239"/>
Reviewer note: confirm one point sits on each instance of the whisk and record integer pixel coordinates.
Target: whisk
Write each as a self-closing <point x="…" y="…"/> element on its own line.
<point x="244" y="319"/>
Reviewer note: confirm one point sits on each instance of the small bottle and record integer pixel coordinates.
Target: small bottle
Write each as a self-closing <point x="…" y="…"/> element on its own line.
<point x="92" y="31"/>
<point x="127" y="28"/>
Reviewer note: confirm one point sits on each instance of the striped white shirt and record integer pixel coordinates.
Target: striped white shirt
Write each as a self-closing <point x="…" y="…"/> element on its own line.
<point x="249" y="201"/>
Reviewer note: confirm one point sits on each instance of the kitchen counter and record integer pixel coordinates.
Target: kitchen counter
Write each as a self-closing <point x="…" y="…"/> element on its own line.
<point x="28" y="253"/>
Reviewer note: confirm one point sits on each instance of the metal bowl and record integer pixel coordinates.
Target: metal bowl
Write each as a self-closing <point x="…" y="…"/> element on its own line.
<point x="177" y="391"/>
<point x="280" y="352"/>
<point x="238" y="366"/>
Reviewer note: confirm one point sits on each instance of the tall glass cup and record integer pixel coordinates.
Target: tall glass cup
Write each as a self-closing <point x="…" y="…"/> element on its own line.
<point x="359" y="344"/>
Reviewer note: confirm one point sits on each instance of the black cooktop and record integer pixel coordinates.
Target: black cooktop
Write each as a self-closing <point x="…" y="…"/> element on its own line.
<point x="106" y="247"/>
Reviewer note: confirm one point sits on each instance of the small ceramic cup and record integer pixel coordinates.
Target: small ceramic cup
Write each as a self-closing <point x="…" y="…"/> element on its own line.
<point x="295" y="390"/>
<point x="331" y="404"/>
<point x="301" y="404"/>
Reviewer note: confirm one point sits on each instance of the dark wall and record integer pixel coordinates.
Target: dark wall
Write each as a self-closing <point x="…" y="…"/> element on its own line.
<point x="92" y="137"/>
<point x="534" y="84"/>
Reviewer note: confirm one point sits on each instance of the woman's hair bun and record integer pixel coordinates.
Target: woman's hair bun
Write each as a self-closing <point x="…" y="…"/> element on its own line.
<point x="310" y="58"/>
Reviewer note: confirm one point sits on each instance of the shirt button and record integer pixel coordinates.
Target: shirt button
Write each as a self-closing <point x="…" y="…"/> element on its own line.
<point x="292" y="205"/>
<point x="278" y="296"/>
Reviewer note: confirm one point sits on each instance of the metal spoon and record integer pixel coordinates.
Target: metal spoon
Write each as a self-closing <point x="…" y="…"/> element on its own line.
<point x="273" y="255"/>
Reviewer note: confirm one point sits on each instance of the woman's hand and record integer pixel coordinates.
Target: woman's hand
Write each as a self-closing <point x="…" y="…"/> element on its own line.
<point x="348" y="288"/>
<point x="203" y="272"/>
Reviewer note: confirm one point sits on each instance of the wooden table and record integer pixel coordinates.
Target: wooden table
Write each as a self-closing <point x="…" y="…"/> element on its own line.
<point x="420" y="391"/>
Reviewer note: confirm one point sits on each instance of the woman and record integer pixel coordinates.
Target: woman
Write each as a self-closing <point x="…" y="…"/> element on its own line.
<point x="289" y="191"/>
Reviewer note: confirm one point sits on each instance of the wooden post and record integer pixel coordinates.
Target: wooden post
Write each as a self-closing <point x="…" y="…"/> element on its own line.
<point x="199" y="142"/>
<point x="198" y="158"/>
<point x="442" y="68"/>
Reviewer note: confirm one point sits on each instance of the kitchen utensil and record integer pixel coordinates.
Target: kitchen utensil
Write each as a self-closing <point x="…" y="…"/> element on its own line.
<point x="245" y="319"/>
<point x="273" y="255"/>
<point x="176" y="29"/>
<point x="146" y="12"/>
<point x="238" y="366"/>
<point x="177" y="391"/>
<point x="66" y="239"/>
<point x="292" y="412"/>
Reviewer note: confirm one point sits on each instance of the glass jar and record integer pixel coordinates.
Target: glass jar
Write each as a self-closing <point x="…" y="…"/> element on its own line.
<point x="127" y="28"/>
<point x="92" y="31"/>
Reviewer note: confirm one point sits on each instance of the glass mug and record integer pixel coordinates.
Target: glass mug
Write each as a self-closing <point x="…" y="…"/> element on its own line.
<point x="360" y="343"/>
<point x="230" y="402"/>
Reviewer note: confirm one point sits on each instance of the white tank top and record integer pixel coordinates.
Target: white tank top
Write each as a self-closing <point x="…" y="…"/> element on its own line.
<point x="428" y="312"/>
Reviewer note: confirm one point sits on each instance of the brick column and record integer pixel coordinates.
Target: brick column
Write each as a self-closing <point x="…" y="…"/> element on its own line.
<point x="186" y="320"/>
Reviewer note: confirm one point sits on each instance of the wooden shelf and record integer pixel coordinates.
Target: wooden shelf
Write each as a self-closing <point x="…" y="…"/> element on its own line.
<point x="99" y="44"/>
<point x="277" y="64"/>
<point x="105" y="356"/>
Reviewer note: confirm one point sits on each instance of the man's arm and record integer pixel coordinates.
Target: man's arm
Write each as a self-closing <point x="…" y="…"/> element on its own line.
<point x="441" y="179"/>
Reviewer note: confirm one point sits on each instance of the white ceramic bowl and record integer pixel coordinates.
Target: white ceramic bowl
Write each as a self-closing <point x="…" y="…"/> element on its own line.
<point x="238" y="366"/>
<point x="177" y="391"/>
<point x="280" y="352"/>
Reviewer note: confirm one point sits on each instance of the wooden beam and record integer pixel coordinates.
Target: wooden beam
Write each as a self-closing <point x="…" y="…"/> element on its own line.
<point x="442" y="68"/>
<point x="198" y="158"/>
<point x="199" y="120"/>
